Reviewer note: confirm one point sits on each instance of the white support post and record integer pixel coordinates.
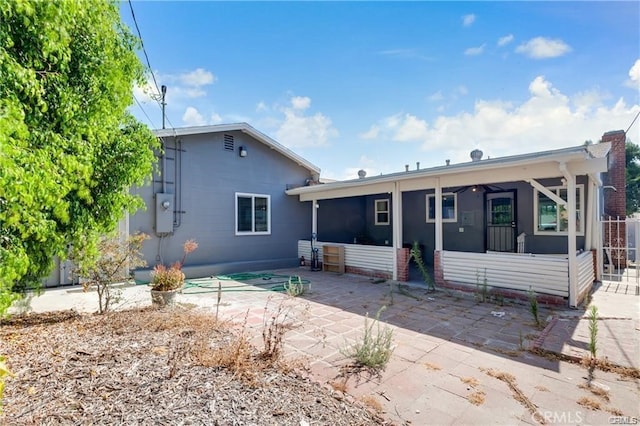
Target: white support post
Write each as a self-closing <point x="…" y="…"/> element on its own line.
<point x="590" y="214"/>
<point x="314" y="217"/>
<point x="438" y="206"/>
<point x="396" y="208"/>
<point x="571" y="235"/>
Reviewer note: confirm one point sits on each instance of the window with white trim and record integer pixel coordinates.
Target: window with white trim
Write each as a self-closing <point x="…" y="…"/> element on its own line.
<point x="449" y="207"/>
<point x="382" y="211"/>
<point x="551" y="218"/>
<point x="253" y="214"/>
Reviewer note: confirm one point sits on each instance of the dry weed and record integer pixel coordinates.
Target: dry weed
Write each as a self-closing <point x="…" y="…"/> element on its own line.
<point x="432" y="366"/>
<point x="518" y="395"/>
<point x="471" y="381"/>
<point x="371" y="402"/>
<point x="340" y="386"/>
<point x="476" y="398"/>
<point x="614" y="411"/>
<point x="542" y="388"/>
<point x="597" y="391"/>
<point x="590" y="403"/>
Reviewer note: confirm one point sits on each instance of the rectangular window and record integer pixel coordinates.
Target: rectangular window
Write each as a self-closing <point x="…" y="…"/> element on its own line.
<point x="253" y="214"/>
<point x="449" y="207"/>
<point x="382" y="212"/>
<point x="551" y="218"/>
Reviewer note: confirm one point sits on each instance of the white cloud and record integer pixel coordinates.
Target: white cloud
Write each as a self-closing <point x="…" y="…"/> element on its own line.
<point x="503" y="41"/>
<point x="547" y="119"/>
<point x="436" y="96"/>
<point x="300" y="102"/>
<point x="410" y="128"/>
<point x="474" y="51"/>
<point x="543" y="48"/>
<point x="462" y="90"/>
<point x="634" y="75"/>
<point x="261" y="107"/>
<point x="192" y="117"/>
<point x="372" y="133"/>
<point x="198" y="77"/>
<point x="299" y="130"/>
<point x="215" y="118"/>
<point x="468" y="20"/>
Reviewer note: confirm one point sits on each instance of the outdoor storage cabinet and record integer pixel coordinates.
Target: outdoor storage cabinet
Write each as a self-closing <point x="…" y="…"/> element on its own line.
<point x="333" y="258"/>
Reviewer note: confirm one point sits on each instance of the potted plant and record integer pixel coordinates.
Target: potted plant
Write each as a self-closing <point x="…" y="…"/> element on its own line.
<point x="166" y="282"/>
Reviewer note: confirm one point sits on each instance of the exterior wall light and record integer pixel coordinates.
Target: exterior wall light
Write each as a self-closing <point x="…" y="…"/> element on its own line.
<point x="243" y="151"/>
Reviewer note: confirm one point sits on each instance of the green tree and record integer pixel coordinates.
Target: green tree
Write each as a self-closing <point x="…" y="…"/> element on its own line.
<point x="69" y="149"/>
<point x="632" y="172"/>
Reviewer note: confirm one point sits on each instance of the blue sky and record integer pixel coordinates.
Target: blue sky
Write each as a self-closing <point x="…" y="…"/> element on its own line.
<point x="377" y="85"/>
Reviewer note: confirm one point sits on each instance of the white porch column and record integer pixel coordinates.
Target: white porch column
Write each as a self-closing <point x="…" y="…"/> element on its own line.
<point x="571" y="235"/>
<point x="438" y="206"/>
<point x="314" y="217"/>
<point x="396" y="208"/>
<point x="589" y="213"/>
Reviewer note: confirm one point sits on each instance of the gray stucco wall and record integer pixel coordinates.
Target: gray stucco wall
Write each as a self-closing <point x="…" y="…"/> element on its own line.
<point x="203" y="178"/>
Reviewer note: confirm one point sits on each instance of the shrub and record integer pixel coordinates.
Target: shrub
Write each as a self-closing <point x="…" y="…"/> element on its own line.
<point x="171" y="278"/>
<point x="375" y="348"/>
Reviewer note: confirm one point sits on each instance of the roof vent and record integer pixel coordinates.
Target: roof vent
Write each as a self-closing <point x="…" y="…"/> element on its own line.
<point x="476" y="155"/>
<point x="362" y="174"/>
<point x="447" y="162"/>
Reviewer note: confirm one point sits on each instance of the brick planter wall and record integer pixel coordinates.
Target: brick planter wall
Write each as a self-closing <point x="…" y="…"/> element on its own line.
<point x="403" y="264"/>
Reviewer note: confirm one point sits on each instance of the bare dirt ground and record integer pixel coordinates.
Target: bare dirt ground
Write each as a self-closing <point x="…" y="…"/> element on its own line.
<point x="154" y="367"/>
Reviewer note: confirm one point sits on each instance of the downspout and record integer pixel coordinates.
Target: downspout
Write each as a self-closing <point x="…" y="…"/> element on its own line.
<point x="597" y="226"/>
<point x="314" y="217"/>
<point x="571" y="235"/>
<point x="396" y="203"/>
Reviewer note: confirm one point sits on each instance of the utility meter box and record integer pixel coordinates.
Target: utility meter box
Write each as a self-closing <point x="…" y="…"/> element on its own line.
<point x="164" y="213"/>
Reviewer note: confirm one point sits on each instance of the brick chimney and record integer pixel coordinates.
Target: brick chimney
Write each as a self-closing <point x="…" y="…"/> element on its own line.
<point x="615" y="202"/>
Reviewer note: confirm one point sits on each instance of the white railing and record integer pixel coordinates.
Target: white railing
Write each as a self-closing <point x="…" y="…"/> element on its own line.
<point x="548" y="274"/>
<point x="374" y="258"/>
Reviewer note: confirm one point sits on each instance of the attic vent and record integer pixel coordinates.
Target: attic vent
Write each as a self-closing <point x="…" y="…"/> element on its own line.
<point x="228" y="143"/>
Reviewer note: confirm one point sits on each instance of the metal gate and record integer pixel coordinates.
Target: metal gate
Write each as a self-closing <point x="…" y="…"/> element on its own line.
<point x="620" y="243"/>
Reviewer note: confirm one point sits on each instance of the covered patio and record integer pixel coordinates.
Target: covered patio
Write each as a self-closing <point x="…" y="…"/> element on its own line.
<point x="525" y="222"/>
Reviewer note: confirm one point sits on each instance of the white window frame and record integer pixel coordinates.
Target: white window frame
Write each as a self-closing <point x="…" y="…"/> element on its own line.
<point x="579" y="208"/>
<point x="444" y="195"/>
<point x="253" y="216"/>
<point x="375" y="204"/>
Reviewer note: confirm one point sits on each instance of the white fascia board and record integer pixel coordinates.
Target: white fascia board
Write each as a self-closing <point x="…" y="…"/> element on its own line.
<point x="354" y="191"/>
<point x="523" y="166"/>
<point x="245" y="128"/>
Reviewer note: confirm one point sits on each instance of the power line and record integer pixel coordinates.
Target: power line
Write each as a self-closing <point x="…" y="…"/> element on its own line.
<point x="634" y="120"/>
<point x="155" y="82"/>
<point x="135" y="21"/>
<point x="144" y="112"/>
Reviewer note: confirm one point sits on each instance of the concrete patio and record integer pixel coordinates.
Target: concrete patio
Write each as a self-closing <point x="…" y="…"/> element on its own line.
<point x="449" y="347"/>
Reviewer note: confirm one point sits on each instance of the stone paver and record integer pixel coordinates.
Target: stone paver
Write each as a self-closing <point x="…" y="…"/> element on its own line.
<point x="446" y="346"/>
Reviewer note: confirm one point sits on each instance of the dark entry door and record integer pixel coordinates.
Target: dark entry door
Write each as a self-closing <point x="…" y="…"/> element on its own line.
<point x="501" y="221"/>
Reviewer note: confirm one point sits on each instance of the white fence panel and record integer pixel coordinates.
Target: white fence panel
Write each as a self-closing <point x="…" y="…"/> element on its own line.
<point x="378" y="258"/>
<point x="547" y="274"/>
<point x="586" y="274"/>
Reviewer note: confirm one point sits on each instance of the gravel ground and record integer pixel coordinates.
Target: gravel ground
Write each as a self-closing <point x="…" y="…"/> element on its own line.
<point x="152" y="367"/>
